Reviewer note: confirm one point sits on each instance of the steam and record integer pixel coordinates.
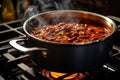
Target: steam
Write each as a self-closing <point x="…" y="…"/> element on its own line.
<point x="40" y="6"/>
<point x="48" y="5"/>
<point x="63" y="4"/>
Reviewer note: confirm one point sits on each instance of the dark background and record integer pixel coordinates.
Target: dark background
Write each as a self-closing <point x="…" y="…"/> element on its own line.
<point x="104" y="7"/>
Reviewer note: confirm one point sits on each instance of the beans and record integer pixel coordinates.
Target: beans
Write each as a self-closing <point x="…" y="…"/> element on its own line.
<point x="70" y="32"/>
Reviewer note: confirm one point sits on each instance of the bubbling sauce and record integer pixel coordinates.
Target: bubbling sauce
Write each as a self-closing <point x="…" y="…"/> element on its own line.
<point x="71" y="32"/>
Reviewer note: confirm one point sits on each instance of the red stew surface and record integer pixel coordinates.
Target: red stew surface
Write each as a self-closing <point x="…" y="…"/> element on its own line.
<point x="70" y="32"/>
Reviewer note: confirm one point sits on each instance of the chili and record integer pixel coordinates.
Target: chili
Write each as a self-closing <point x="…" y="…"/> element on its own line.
<point x="70" y="32"/>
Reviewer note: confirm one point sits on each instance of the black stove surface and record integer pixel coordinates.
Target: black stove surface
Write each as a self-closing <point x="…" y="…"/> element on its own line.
<point x="14" y="65"/>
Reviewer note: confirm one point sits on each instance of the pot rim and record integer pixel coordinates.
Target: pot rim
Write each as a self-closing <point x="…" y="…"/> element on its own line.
<point x="81" y="43"/>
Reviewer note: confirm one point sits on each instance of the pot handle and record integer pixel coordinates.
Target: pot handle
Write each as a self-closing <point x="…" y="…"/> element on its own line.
<point x="14" y="44"/>
<point x="114" y="18"/>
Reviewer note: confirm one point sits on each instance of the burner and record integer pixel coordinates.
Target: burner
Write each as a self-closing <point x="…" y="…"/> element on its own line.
<point x="65" y="76"/>
<point x="60" y="76"/>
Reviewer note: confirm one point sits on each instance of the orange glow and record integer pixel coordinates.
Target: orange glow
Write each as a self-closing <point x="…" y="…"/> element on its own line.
<point x="71" y="76"/>
<point x="57" y="75"/>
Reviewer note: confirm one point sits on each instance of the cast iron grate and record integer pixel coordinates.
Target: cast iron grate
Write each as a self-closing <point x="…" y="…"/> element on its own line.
<point x="16" y="66"/>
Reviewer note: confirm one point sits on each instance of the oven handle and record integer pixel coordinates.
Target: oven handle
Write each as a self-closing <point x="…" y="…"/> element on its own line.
<point x="14" y="44"/>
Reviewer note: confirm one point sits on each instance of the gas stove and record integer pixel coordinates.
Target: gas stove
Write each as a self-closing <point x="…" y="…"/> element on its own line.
<point x="15" y="65"/>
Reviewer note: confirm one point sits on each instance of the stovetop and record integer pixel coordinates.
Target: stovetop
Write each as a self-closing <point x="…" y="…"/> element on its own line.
<point x="15" y="65"/>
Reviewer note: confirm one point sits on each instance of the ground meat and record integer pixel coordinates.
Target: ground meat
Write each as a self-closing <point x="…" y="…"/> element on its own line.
<point x="70" y="32"/>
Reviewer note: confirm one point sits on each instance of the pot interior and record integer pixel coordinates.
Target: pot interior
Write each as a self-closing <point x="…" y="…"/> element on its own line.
<point x="68" y="16"/>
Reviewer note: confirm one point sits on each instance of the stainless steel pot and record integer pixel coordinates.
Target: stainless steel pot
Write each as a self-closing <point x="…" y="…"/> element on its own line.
<point x="67" y="57"/>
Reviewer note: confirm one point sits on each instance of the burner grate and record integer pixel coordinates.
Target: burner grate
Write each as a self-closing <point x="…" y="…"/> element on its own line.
<point x="15" y="65"/>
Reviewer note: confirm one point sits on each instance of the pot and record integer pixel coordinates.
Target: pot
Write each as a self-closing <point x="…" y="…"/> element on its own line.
<point x="67" y="57"/>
